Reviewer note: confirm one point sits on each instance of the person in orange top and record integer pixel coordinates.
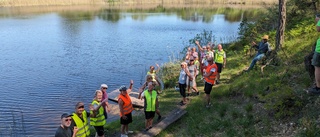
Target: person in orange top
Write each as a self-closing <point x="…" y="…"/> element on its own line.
<point x="126" y="108"/>
<point x="210" y="78"/>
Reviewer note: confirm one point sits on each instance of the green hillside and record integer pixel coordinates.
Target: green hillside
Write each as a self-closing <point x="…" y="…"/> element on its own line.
<point x="272" y="103"/>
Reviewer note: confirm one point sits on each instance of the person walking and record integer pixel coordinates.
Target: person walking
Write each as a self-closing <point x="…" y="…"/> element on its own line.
<point x="98" y="120"/>
<point x="126" y="108"/>
<point x="220" y="60"/>
<point x="64" y="129"/>
<point x="151" y="104"/>
<point x="210" y="77"/>
<point x="80" y="120"/>
<point x="316" y="63"/>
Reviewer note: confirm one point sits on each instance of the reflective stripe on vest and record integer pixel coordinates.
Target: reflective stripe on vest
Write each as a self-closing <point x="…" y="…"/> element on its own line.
<point x="83" y="127"/>
<point x="99" y="119"/>
<point x="219" y="55"/>
<point x="127" y="105"/>
<point x="211" y="78"/>
<point x="150" y="100"/>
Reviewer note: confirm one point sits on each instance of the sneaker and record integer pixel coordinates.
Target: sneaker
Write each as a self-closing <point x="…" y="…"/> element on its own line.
<point x="128" y="132"/>
<point x="313" y="91"/>
<point x="188" y="94"/>
<point x="197" y="93"/>
<point x="182" y="104"/>
<point x="208" y="105"/>
<point x="124" y="135"/>
<point x="159" y="118"/>
<point x="217" y="82"/>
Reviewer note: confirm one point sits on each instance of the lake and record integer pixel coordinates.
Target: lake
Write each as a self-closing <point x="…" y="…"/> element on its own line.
<point x="53" y="57"/>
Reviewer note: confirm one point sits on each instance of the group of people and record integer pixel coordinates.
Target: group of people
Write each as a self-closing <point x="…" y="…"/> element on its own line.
<point x="209" y="65"/>
<point x="77" y="123"/>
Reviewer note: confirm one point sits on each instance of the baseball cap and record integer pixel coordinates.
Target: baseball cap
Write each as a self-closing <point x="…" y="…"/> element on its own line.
<point x="65" y="115"/>
<point x="123" y="88"/>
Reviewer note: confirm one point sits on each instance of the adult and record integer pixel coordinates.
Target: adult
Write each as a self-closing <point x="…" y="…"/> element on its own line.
<point x="126" y="108"/>
<point x="184" y="73"/>
<point x="203" y="54"/>
<point x="262" y="49"/>
<point x="151" y="104"/>
<point x="220" y="60"/>
<point x="153" y="73"/>
<point x="145" y="85"/>
<point x="210" y="78"/>
<point x="98" y="120"/>
<point x="316" y="62"/>
<point x="105" y="105"/>
<point x="80" y="120"/>
<point x="191" y="81"/>
<point x="197" y="63"/>
<point x="64" y="129"/>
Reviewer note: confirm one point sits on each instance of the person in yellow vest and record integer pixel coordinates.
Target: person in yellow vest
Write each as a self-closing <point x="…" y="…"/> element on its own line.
<point x="98" y="120"/>
<point x="210" y="78"/>
<point x="153" y="73"/>
<point x="151" y="104"/>
<point x="220" y="60"/>
<point x="80" y="120"/>
<point x="126" y="108"/>
<point x="145" y="85"/>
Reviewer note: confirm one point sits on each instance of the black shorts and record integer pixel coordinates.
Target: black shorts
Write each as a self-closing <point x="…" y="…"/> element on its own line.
<point x="149" y="114"/>
<point x="207" y="88"/>
<point x="219" y="65"/>
<point x="126" y="121"/>
<point x="99" y="130"/>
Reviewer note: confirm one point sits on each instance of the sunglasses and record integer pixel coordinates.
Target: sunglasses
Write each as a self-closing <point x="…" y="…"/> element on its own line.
<point x="104" y="88"/>
<point x="69" y="119"/>
<point x="80" y="107"/>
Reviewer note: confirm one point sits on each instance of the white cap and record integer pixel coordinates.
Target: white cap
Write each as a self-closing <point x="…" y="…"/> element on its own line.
<point x="104" y="86"/>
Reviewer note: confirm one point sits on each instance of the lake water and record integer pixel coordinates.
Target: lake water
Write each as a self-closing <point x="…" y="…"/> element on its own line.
<point x="52" y="59"/>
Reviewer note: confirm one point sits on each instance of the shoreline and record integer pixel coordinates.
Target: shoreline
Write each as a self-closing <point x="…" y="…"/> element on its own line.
<point x="137" y="4"/>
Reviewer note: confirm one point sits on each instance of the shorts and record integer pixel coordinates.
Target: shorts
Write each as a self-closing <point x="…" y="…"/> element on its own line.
<point x="99" y="130"/>
<point x="219" y="65"/>
<point x="126" y="121"/>
<point x="207" y="88"/>
<point x="316" y="59"/>
<point x="149" y="114"/>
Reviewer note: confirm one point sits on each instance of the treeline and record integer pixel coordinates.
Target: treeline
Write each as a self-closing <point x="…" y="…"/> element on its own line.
<point x="14" y="3"/>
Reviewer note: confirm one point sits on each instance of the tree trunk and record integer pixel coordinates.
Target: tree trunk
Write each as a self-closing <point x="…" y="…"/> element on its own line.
<point x="281" y="25"/>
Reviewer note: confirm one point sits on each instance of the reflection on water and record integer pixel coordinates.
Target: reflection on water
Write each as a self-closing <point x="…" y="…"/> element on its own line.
<point x="52" y="59"/>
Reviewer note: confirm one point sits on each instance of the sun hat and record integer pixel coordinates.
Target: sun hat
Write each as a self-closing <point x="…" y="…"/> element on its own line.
<point x="265" y="37"/>
<point x="104" y="86"/>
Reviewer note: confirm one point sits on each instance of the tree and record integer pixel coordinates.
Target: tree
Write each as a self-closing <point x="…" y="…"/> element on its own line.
<point x="281" y="24"/>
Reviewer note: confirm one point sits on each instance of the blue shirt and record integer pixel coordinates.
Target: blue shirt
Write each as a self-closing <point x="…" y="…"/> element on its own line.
<point x="263" y="47"/>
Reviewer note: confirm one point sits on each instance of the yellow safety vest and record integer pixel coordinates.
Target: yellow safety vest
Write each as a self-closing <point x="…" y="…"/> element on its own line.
<point x="153" y="75"/>
<point x="150" y="100"/>
<point x="83" y="126"/>
<point x="219" y="56"/>
<point x="99" y="119"/>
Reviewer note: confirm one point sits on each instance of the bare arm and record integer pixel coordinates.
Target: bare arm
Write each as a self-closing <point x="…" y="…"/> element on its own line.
<point x="120" y="102"/>
<point x="130" y="87"/>
<point x="158" y="68"/>
<point x="197" y="43"/>
<point x="317" y="22"/>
